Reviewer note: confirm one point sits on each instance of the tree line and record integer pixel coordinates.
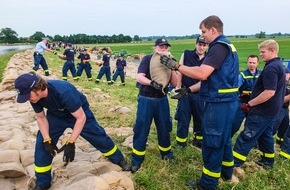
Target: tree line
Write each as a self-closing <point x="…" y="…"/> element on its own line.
<point x="9" y="36"/>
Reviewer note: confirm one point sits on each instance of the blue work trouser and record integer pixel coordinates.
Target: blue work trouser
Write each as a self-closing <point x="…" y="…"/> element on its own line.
<point x="189" y="105"/>
<point x="84" y="66"/>
<point x="104" y="70"/>
<point x="216" y="145"/>
<point x="281" y="124"/>
<point x="69" y="65"/>
<point x="239" y="118"/>
<point x="149" y="108"/>
<point x="39" y="60"/>
<point x="285" y="145"/>
<point x="92" y="132"/>
<point x="120" y="73"/>
<point x="257" y="129"/>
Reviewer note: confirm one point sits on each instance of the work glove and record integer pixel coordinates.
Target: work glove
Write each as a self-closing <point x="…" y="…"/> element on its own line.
<point x="244" y="98"/>
<point x="180" y="93"/>
<point x="246" y="107"/>
<point x="69" y="151"/>
<point x="169" y="62"/>
<point x="156" y="85"/>
<point x="50" y="147"/>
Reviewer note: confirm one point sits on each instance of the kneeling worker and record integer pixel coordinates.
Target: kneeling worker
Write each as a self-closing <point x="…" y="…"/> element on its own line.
<point x="66" y="107"/>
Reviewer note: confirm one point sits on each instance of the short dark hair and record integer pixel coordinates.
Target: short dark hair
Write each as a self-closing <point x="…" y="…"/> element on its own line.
<point x="213" y="21"/>
<point x="253" y="56"/>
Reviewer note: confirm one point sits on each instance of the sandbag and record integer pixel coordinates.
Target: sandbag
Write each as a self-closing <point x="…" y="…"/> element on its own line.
<point x="159" y="73"/>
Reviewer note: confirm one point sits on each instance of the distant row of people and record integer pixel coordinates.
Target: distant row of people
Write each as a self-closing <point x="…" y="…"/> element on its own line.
<point x="84" y="64"/>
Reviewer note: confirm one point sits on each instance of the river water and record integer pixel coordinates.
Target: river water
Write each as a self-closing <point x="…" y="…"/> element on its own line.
<point x="7" y="49"/>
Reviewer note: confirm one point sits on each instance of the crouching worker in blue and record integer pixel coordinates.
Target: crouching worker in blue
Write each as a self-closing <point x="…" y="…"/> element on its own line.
<point x="38" y="56"/>
<point x="120" y="69"/>
<point x="84" y="65"/>
<point x="153" y="79"/>
<point x="69" y="57"/>
<point x="66" y="107"/>
<point x="105" y="67"/>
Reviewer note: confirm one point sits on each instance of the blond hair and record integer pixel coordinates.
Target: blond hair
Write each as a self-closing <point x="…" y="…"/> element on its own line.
<point x="270" y="44"/>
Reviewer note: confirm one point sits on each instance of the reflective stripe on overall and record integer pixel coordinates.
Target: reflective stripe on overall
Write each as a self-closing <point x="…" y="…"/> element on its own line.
<point x="220" y="93"/>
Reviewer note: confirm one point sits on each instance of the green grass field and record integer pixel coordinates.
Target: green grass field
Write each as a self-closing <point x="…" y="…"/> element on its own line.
<point x="156" y="174"/>
<point x="244" y="46"/>
<point x="3" y="62"/>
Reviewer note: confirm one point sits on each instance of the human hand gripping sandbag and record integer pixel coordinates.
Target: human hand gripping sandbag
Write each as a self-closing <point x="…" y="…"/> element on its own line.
<point x="63" y="57"/>
<point x="169" y="62"/>
<point x="179" y="93"/>
<point x="156" y="85"/>
<point x="159" y="73"/>
<point x="69" y="151"/>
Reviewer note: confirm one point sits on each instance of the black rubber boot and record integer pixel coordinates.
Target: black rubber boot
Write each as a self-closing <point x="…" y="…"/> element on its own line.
<point x="124" y="165"/>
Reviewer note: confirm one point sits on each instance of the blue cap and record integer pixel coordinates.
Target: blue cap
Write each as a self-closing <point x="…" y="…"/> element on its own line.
<point x="200" y="39"/>
<point x="161" y="41"/>
<point x="24" y="84"/>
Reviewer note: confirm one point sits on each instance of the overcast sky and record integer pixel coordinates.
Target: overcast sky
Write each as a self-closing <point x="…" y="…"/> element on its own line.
<point x="142" y="17"/>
